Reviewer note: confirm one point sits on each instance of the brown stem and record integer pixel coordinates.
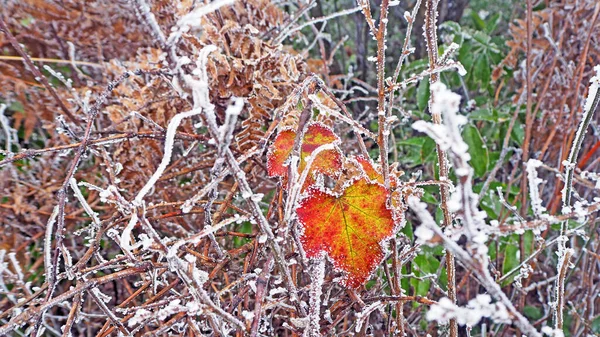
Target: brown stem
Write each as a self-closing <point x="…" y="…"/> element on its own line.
<point x="432" y="50"/>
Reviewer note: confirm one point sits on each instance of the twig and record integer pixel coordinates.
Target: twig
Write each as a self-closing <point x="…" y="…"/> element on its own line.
<point x="289" y="32"/>
<point x="33" y="312"/>
<point x="430" y="32"/>
<point x="35" y="71"/>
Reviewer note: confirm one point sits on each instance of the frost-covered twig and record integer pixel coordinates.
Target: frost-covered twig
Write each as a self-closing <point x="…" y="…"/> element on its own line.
<point x="382" y="125"/>
<point x="565" y="254"/>
<point x="591" y="103"/>
<point x="7" y="129"/>
<point x="475" y="265"/>
<point x="34" y="312"/>
<point x="534" y="192"/>
<point x="86" y="206"/>
<point x="168" y="150"/>
<point x="430" y="34"/>
<point x="478" y="308"/>
<point x="296" y="187"/>
<point x="564" y="262"/>
<point x="262" y="283"/>
<point x="145" y="11"/>
<point x="448" y="137"/>
<point x="48" y="246"/>
<point x="317" y="272"/>
<point x="284" y="34"/>
<point x="193" y="18"/>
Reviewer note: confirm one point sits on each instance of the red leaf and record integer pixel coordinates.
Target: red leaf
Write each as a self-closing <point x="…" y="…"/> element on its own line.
<point x="349" y="228"/>
<point x="327" y="162"/>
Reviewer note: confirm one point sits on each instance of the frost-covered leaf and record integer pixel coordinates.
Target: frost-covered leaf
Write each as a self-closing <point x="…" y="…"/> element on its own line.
<point x="349" y="228"/>
<point x="373" y="171"/>
<point x="369" y="169"/>
<point x="327" y="162"/>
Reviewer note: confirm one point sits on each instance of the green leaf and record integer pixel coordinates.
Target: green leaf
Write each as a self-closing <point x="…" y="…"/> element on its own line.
<point x="492" y="22"/>
<point x="511" y="259"/>
<point x="518" y="132"/>
<point x="477" y="149"/>
<point x="465" y="56"/>
<point x="478" y="21"/>
<point x="596" y="325"/>
<point x="423" y="94"/>
<point x="533" y="313"/>
<point x="482" y="70"/>
<point x="428" y="153"/>
<point x="489" y="114"/>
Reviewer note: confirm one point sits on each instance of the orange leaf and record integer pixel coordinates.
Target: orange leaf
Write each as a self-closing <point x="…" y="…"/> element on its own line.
<point x="373" y="172"/>
<point x="369" y="169"/>
<point x="349" y="228"/>
<point x="327" y="162"/>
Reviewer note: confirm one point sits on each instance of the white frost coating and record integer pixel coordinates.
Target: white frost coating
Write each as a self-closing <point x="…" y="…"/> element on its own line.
<point x="553" y="332"/>
<point x="534" y="182"/>
<point x="477" y="308"/>
<point x="595" y="84"/>
<point x="301" y="323"/>
<point x="581" y="130"/>
<point x="125" y="237"/>
<point x="84" y="203"/>
<point x="231" y="115"/>
<point x="140" y="316"/>
<point x="362" y="316"/>
<point x="448" y="137"/>
<point x="277" y="291"/>
<point x="423" y="234"/>
<point x="102" y="296"/>
<point x="447" y="103"/>
<point x="317" y="275"/>
<point x="194" y="239"/>
<point x="174" y="307"/>
<point x="524" y="273"/>
<point x="16" y="266"/>
<point x="262" y="239"/>
<point x="169" y="141"/>
<point x="48" y="242"/>
<point x="200" y="276"/>
<point x="192" y="19"/>
<point x="7" y="129"/>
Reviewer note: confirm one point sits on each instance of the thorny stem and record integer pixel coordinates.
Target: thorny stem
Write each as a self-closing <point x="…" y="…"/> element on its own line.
<point x="314" y="311"/>
<point x="574" y="153"/>
<point x="563" y="267"/>
<point x="564" y="253"/>
<point x="382" y="139"/>
<point x="262" y="283"/>
<point x="432" y="51"/>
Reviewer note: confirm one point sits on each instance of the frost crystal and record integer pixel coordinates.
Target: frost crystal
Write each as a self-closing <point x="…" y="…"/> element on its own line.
<point x="477" y="308"/>
<point x="534" y="182"/>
